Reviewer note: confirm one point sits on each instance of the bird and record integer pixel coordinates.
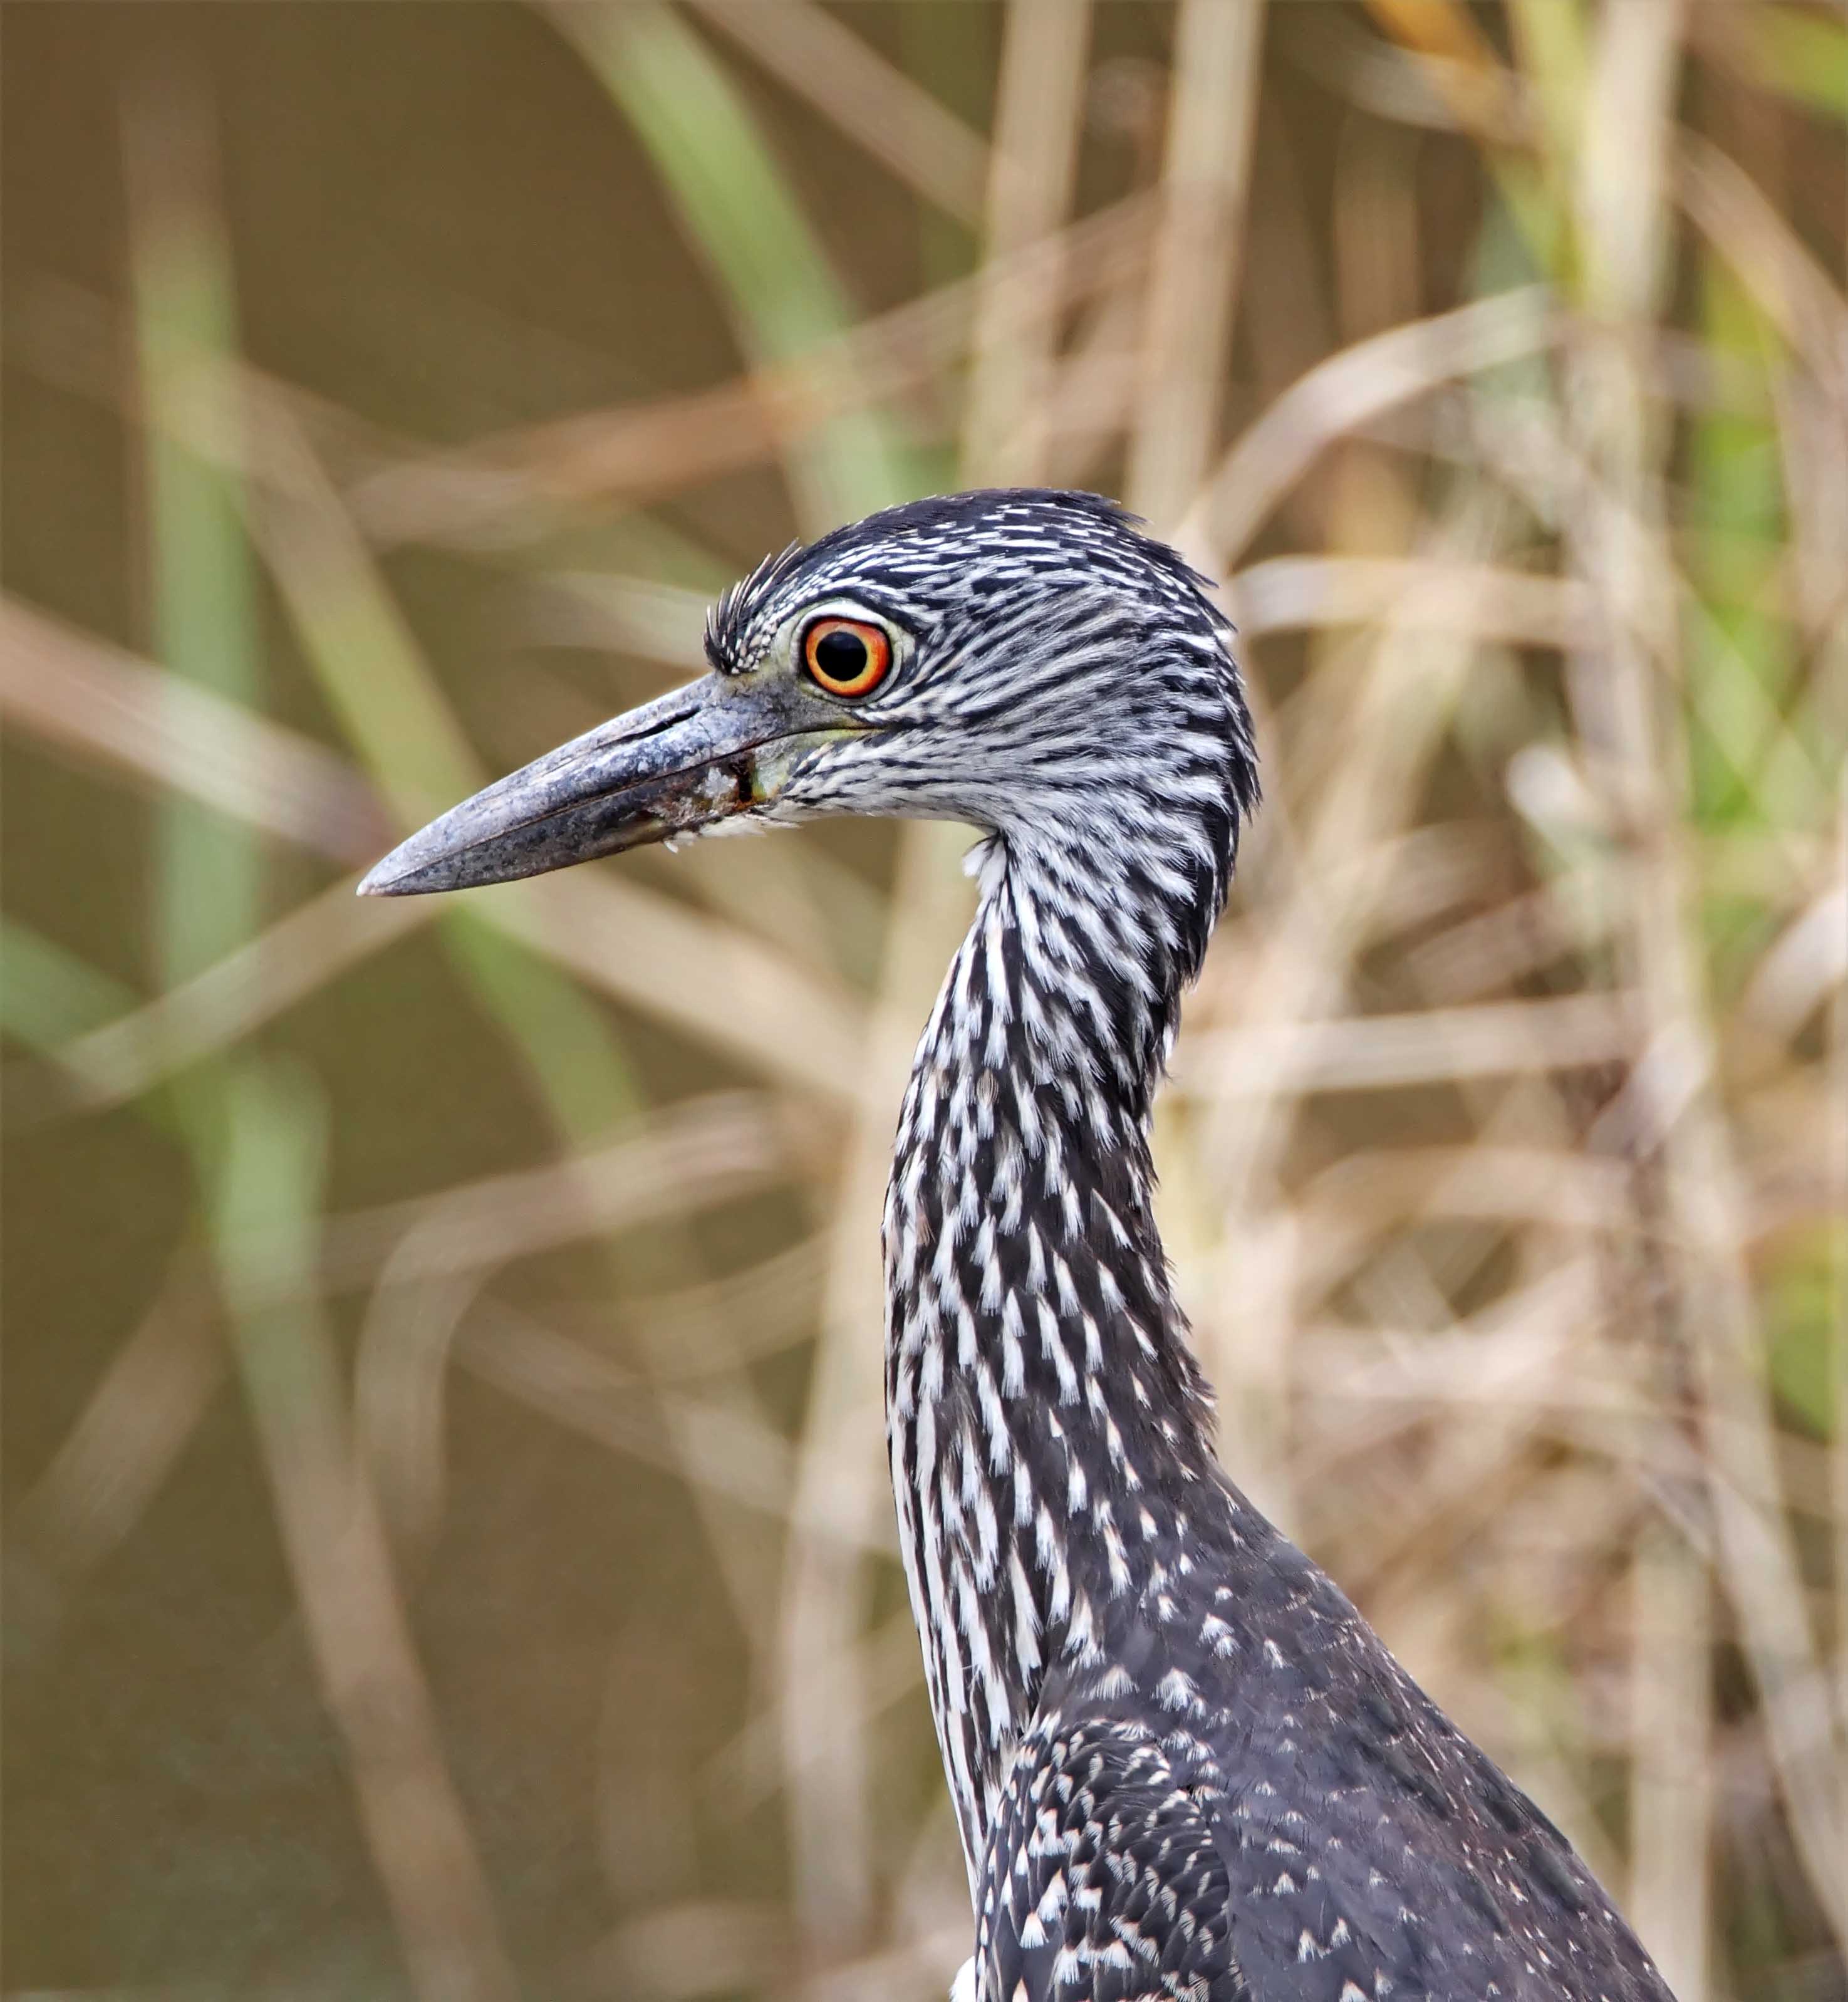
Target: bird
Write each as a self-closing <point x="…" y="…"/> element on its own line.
<point x="1183" y="1765"/>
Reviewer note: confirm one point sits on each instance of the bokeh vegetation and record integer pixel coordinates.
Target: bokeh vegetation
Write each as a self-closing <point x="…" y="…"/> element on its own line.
<point x="447" y="1549"/>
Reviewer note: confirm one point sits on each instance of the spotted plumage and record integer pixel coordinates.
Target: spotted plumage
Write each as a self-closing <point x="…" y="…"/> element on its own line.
<point x="1182" y="1765"/>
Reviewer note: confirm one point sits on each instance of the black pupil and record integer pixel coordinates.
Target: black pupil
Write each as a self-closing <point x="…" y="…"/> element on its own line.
<point x="840" y="656"/>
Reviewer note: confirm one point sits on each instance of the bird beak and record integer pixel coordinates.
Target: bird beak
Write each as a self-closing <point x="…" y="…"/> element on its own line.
<point x="696" y="755"/>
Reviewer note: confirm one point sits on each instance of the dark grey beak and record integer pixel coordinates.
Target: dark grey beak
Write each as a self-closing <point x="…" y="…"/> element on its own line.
<point x="671" y="767"/>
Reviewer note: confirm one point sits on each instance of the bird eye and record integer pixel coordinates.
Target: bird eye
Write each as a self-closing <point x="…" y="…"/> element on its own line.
<point x="846" y="657"/>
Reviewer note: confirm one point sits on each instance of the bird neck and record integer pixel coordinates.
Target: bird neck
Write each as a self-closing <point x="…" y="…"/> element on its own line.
<point x="1048" y="1425"/>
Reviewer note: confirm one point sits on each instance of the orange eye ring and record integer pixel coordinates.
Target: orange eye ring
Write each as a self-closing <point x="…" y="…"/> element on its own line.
<point x="846" y="657"/>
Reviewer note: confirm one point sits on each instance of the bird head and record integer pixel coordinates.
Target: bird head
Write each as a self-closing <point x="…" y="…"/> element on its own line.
<point x="1028" y="662"/>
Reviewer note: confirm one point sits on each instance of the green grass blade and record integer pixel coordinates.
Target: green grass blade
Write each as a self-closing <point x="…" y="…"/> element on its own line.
<point x="47" y="995"/>
<point x="737" y="207"/>
<point x="1803" y="54"/>
<point x="205" y="618"/>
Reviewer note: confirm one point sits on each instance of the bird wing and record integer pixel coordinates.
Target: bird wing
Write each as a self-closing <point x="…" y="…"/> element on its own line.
<point x="1103" y="1880"/>
<point x="1116" y="1871"/>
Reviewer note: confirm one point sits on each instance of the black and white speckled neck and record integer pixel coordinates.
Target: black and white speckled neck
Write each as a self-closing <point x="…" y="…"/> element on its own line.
<point x="1048" y="1424"/>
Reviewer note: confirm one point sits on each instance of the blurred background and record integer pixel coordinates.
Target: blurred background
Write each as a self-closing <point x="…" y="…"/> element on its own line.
<point x="449" y="1551"/>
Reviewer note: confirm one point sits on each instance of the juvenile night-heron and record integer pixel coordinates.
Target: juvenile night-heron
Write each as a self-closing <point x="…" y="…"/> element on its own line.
<point x="1182" y="1764"/>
